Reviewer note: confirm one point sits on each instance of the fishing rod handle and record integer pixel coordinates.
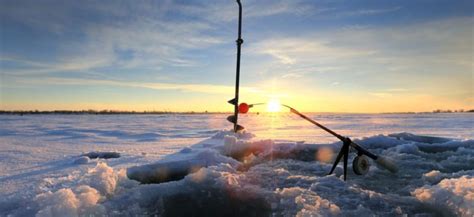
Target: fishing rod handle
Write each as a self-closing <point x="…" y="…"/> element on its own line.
<point x="387" y="164"/>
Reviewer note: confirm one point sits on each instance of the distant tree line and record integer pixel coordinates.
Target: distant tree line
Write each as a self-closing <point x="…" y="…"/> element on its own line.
<point x="452" y="111"/>
<point x="98" y="112"/>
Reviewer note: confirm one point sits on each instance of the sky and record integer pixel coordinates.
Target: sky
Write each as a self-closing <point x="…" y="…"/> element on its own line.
<point x="175" y="55"/>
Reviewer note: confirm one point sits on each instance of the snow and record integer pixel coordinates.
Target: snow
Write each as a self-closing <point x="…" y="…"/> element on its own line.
<point x="308" y="202"/>
<point x="103" y="178"/>
<point x="82" y="160"/>
<point x="83" y="201"/>
<point x="451" y="196"/>
<point x="267" y="172"/>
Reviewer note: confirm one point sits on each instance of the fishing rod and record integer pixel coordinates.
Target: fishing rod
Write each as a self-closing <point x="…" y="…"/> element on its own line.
<point x="235" y="101"/>
<point x="360" y="163"/>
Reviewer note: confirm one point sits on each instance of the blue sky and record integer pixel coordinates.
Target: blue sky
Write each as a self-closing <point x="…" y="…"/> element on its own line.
<point x="340" y="56"/>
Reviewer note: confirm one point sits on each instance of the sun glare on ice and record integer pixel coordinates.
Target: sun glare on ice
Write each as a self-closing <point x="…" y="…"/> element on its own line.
<point x="273" y="105"/>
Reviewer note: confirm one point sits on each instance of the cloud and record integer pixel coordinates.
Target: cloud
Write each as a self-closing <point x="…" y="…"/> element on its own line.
<point x="154" y="43"/>
<point x="291" y="51"/>
<point x="122" y="35"/>
<point x="400" y="56"/>
<point x="141" y="32"/>
<point x="363" y="12"/>
<point x="226" y="11"/>
<point x="398" y="90"/>
<point x="384" y="93"/>
<point x="292" y="75"/>
<point x="185" y="87"/>
<point x="381" y="94"/>
<point x="75" y="64"/>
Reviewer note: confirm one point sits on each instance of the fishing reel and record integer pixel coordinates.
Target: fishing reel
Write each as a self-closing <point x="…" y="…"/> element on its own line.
<point x="361" y="164"/>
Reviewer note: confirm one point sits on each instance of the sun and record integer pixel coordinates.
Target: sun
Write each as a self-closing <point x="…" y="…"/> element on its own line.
<point x="273" y="105"/>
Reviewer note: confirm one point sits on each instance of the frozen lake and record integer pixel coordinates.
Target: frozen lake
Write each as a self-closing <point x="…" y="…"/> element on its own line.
<point x="188" y="129"/>
<point x="37" y="154"/>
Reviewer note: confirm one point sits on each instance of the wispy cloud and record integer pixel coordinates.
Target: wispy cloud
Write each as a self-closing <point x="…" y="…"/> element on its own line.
<point x="391" y="50"/>
<point x="154" y="43"/>
<point x="310" y="48"/>
<point x="370" y="11"/>
<point x="137" y="31"/>
<point x="218" y="11"/>
<point x="381" y="94"/>
<point x="29" y="67"/>
<point x="153" y="48"/>
<point x="292" y="75"/>
<point x="389" y="92"/>
<point x="397" y="90"/>
<point x="185" y="87"/>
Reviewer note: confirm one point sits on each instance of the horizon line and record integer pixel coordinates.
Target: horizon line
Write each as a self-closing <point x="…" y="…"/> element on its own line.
<point x="112" y="111"/>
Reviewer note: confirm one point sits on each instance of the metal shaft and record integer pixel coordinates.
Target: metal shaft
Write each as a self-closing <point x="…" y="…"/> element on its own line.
<point x="237" y="78"/>
<point x="315" y="123"/>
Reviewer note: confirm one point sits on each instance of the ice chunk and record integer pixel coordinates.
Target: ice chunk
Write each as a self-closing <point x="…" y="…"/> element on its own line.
<point x="176" y="169"/>
<point x="306" y="202"/>
<point x="87" y="196"/>
<point x="213" y="191"/>
<point x="83" y="201"/>
<point x="433" y="176"/>
<point x="408" y="148"/>
<point x="82" y="160"/>
<point x="103" y="178"/>
<point x="104" y="155"/>
<point x="240" y="135"/>
<point x="59" y="203"/>
<point x="230" y="141"/>
<point x="240" y="149"/>
<point x="418" y="138"/>
<point x="450" y="196"/>
<point x="379" y="142"/>
<point x="186" y="150"/>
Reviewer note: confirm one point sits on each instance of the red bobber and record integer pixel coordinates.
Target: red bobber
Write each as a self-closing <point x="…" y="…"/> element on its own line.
<point x="243" y="108"/>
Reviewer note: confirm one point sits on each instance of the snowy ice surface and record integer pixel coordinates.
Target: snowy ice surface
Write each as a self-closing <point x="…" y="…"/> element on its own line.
<point x="43" y="171"/>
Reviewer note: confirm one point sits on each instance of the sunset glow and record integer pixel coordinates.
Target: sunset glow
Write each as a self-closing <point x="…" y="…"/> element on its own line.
<point x="273" y="105"/>
<point x="175" y="56"/>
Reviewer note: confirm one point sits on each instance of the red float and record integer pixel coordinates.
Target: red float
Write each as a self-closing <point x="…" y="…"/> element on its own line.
<point x="243" y="108"/>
